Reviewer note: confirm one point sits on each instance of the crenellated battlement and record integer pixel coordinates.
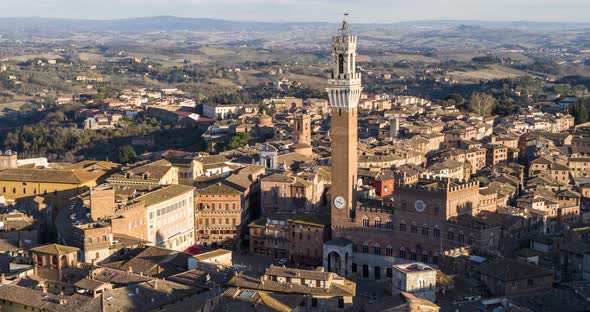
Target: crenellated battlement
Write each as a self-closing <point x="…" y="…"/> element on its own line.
<point x="139" y="204"/>
<point x="436" y="184"/>
<point x="382" y="209"/>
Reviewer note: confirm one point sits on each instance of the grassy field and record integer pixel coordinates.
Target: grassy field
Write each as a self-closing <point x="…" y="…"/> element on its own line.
<point x="493" y="72"/>
<point x="26" y="57"/>
<point x="397" y="57"/>
<point x="7" y="107"/>
<point x="307" y="80"/>
<point x="223" y="83"/>
<point x="215" y="52"/>
<point x="92" y="57"/>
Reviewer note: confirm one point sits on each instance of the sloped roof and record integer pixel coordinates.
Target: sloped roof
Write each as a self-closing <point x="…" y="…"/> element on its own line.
<point x="277" y="178"/>
<point x="510" y="270"/>
<point x="93" y="164"/>
<point x="90" y="284"/>
<point x="154" y="171"/>
<point x="164" y="193"/>
<point x="55" y="249"/>
<point x="541" y="160"/>
<point x="210" y="160"/>
<point x="76" y="176"/>
<point x="218" y="189"/>
<point x="212" y="254"/>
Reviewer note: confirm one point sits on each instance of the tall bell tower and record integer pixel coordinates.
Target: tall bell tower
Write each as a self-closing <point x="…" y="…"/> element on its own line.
<point x="344" y="90"/>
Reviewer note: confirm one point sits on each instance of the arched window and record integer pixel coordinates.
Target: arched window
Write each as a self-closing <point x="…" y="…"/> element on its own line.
<point x="377" y="249"/>
<point x="365" y="247"/>
<point x="341" y="63"/>
<point x="425" y="230"/>
<point x="378" y="222"/>
<point x="402" y="252"/>
<point x="365" y="221"/>
<point x="413" y="255"/>
<point x="389" y="224"/>
<point x="461" y="237"/>
<point x="414" y="228"/>
<point x="389" y="251"/>
<point x="436" y="231"/>
<point x="424" y="258"/>
<point x="402" y="226"/>
<point x="470" y="239"/>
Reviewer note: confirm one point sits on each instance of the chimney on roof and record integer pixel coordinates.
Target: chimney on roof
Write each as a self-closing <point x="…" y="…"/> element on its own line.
<point x="130" y="269"/>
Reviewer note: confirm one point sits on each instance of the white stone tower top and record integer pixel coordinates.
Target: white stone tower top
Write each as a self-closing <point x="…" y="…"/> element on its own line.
<point x="344" y="87"/>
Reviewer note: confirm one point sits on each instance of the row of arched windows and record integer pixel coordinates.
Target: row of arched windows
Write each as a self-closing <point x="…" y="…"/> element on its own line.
<point x="403" y="253"/>
<point x="378" y="223"/>
<point x="424" y="230"/>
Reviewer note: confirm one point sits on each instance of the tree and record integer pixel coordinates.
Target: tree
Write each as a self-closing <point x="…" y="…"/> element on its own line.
<point x="483" y="181"/>
<point x="455" y="99"/>
<point x="238" y="140"/>
<point x="578" y="110"/>
<point x="503" y="107"/>
<point x="272" y="110"/>
<point x="481" y="103"/>
<point x="126" y="154"/>
<point x="55" y="117"/>
<point x="562" y="89"/>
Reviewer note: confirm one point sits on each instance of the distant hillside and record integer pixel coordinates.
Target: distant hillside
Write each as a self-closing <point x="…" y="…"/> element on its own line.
<point x="143" y="24"/>
<point x="470" y="35"/>
<point x="172" y="23"/>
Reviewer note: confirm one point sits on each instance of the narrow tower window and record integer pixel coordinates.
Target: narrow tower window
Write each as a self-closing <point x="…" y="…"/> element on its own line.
<point x="341" y="63"/>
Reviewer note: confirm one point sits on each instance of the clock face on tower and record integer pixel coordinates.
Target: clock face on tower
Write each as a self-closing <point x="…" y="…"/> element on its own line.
<point x="420" y="205"/>
<point x="339" y="202"/>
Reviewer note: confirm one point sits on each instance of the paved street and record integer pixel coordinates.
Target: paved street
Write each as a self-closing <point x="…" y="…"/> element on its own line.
<point x="252" y="264"/>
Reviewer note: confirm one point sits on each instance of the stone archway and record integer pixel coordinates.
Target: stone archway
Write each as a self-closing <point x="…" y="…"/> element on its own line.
<point x="334" y="262"/>
<point x="338" y="256"/>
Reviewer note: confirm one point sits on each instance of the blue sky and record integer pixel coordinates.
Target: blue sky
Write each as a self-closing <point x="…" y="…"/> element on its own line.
<point x="307" y="10"/>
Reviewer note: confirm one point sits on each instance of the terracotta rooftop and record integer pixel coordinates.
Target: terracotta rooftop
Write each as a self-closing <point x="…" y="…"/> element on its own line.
<point x="164" y="193"/>
<point x="307" y="274"/>
<point x="510" y="270"/>
<point x="218" y="188"/>
<point x="55" y="249"/>
<point x="212" y="254"/>
<point x="76" y="176"/>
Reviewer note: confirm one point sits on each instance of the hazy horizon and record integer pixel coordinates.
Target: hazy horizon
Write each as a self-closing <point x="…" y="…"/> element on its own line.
<point x="367" y="11"/>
